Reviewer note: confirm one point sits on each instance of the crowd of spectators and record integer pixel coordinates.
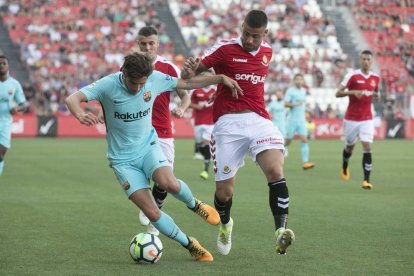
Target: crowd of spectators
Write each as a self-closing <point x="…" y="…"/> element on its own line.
<point x="302" y="38"/>
<point x="66" y="44"/>
<point x="388" y="26"/>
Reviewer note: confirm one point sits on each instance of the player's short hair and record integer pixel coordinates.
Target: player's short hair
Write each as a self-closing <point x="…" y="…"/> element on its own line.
<point x="147" y="31"/>
<point x="4" y="57"/>
<point x="137" y="66"/>
<point x="256" y="19"/>
<point x="366" y="52"/>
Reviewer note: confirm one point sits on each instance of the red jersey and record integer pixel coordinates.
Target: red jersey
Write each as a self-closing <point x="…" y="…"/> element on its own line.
<point x="250" y="71"/>
<point x="202" y="97"/>
<point x="161" y="119"/>
<point x="360" y="109"/>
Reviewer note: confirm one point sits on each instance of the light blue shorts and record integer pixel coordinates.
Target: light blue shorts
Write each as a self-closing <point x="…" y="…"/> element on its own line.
<point x="136" y="174"/>
<point x="298" y="127"/>
<point x="5" y="134"/>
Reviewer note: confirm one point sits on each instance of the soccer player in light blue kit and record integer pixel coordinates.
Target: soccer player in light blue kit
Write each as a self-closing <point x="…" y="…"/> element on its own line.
<point x="278" y="111"/>
<point x="295" y="100"/>
<point x="134" y="152"/>
<point x="12" y="100"/>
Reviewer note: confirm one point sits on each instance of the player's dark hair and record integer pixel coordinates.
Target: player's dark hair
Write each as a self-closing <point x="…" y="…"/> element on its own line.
<point x="137" y="66"/>
<point x="4" y="57"/>
<point x="366" y="52"/>
<point x="147" y="31"/>
<point x="256" y="19"/>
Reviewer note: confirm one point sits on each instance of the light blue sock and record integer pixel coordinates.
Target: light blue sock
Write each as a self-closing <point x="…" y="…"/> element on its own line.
<point x="185" y="195"/>
<point x="166" y="225"/>
<point x="304" y="148"/>
<point x="1" y="167"/>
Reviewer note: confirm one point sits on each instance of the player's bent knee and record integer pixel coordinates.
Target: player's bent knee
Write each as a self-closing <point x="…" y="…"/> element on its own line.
<point x="171" y="185"/>
<point x="153" y="214"/>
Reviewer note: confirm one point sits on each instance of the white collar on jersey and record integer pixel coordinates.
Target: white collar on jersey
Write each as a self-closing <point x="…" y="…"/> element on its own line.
<point x="157" y="58"/>
<point x="253" y="53"/>
<point x="359" y="71"/>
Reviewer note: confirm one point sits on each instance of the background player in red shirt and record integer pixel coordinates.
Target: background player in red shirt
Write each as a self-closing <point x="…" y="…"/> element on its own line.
<point x="148" y="42"/>
<point x="359" y="85"/>
<point x="243" y="126"/>
<point x="203" y="122"/>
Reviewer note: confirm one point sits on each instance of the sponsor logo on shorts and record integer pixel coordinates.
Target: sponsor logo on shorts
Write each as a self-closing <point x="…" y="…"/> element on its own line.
<point x="147" y="96"/>
<point x="226" y="169"/>
<point x="125" y="186"/>
<point x="270" y="140"/>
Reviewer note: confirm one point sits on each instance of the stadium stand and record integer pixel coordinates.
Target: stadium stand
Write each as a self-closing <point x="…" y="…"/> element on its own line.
<point x="64" y="44"/>
<point x="302" y="38"/>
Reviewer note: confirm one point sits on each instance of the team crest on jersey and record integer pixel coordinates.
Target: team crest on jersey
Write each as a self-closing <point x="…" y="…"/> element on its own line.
<point x="147" y="96"/>
<point x="10" y="91"/>
<point x="373" y="83"/>
<point x="265" y="61"/>
<point x="91" y="85"/>
<point x="226" y="169"/>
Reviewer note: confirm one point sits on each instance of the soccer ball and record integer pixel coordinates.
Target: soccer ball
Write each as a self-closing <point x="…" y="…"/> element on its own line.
<point x="145" y="248"/>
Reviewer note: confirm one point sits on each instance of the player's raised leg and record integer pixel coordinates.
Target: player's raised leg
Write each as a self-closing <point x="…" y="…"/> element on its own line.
<point x="180" y="190"/>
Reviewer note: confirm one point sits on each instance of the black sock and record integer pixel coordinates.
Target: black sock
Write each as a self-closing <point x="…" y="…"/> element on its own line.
<point x="223" y="209"/>
<point x="196" y="147"/>
<point x="367" y="165"/>
<point x="159" y="195"/>
<point x="279" y="202"/>
<point x="205" y="151"/>
<point x="345" y="158"/>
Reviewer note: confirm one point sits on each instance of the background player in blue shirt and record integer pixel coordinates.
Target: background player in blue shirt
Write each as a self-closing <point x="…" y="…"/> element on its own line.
<point x="295" y="99"/>
<point x="133" y="147"/>
<point x="12" y="100"/>
<point x="277" y="109"/>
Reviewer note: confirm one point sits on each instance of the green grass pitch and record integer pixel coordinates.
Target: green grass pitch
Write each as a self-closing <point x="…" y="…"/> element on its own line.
<point x="63" y="213"/>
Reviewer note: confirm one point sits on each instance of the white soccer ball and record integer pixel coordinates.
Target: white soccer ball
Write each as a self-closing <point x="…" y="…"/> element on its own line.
<point x="145" y="248"/>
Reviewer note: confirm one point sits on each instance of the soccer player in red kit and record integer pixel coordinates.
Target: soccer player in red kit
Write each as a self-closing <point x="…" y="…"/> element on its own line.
<point x="360" y="86"/>
<point x="203" y="122"/>
<point x="243" y="126"/>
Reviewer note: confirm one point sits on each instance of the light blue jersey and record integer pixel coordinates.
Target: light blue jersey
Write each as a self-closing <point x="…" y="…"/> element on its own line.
<point x="278" y="111"/>
<point x="11" y="94"/>
<point x="128" y="117"/>
<point x="296" y="117"/>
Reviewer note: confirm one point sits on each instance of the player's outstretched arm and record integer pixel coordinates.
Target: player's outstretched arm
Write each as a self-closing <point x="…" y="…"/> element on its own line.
<point x="73" y="103"/>
<point x="178" y="112"/>
<point x="206" y="80"/>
